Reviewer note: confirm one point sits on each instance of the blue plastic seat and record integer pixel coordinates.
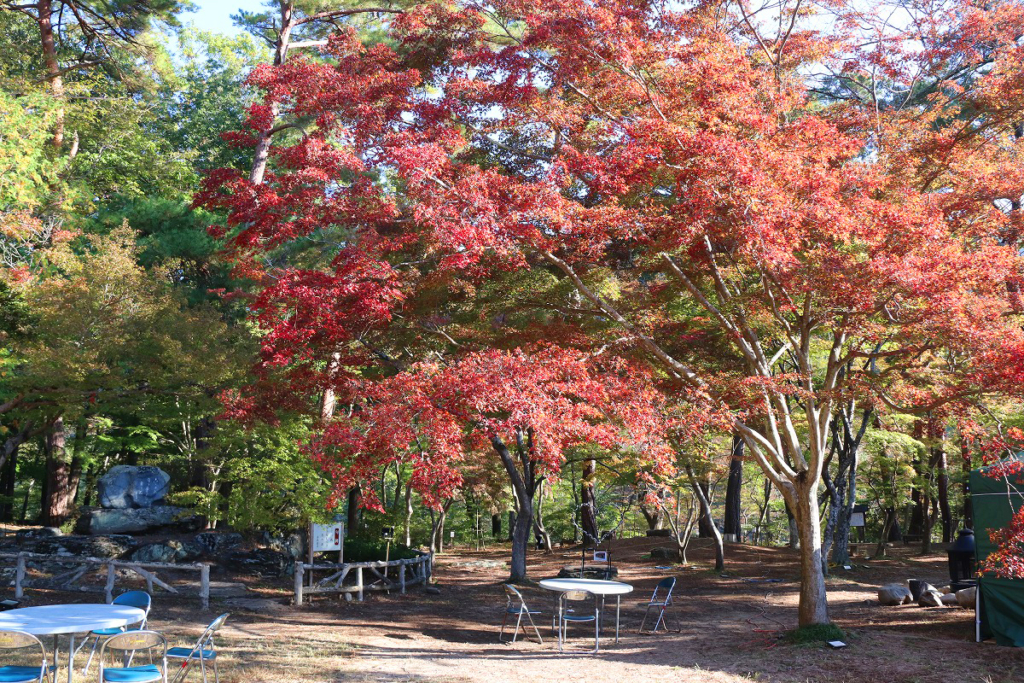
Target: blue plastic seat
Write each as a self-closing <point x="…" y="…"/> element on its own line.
<point x="132" y="642"/>
<point x="185" y="652"/>
<point x="134" y="674"/>
<point x="22" y="674"/>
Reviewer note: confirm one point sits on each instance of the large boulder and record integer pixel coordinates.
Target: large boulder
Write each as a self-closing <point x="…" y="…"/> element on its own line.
<point x="292" y="545"/>
<point x="949" y="599"/>
<point x="216" y="544"/>
<point x="894" y="594"/>
<point x="74" y="546"/>
<point x="134" y="520"/>
<point x="171" y="551"/>
<point x="967" y="597"/>
<point x="132" y="486"/>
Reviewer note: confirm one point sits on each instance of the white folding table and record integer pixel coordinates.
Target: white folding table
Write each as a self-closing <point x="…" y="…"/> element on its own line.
<point x="595" y="586"/>
<point x="58" y="620"/>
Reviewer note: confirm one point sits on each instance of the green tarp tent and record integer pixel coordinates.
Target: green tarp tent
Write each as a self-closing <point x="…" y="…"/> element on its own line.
<point x="1002" y="600"/>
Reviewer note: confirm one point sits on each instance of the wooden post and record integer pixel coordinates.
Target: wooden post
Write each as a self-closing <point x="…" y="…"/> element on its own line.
<point x="19" y="578"/>
<point x="298" y="583"/>
<point x="204" y="585"/>
<point x="359" y="582"/>
<point x="149" y="584"/>
<point x="109" y="588"/>
<point x="401" y="577"/>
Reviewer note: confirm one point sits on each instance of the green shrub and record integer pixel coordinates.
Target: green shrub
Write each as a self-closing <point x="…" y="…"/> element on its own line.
<point x="363" y="550"/>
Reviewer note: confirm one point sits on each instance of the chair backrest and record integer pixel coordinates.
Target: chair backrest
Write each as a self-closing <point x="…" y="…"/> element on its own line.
<point x="15" y="640"/>
<point x="206" y="639"/>
<point x="666" y="584"/>
<point x="130" y="641"/>
<point x="139" y="599"/>
<point x="577" y="596"/>
<point x="513" y="593"/>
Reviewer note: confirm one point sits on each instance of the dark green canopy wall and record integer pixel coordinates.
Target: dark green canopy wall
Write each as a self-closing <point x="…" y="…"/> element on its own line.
<point x="995" y="500"/>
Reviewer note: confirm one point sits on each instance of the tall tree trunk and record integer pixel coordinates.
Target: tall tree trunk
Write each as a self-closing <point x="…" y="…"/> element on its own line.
<point x="524" y="485"/>
<point x="794" y="533"/>
<point x="813" y="605"/>
<point x="706" y="512"/>
<point x="354" y="511"/>
<point x="44" y="10"/>
<point x="408" y="516"/>
<point x="764" y="516"/>
<point x="61" y="484"/>
<point x="588" y="503"/>
<point x="263" y="138"/>
<point x="706" y="523"/>
<point x="733" y="492"/>
<point x="7" y="481"/>
<point x="495" y="526"/>
<point x="942" y="486"/>
<point x="538" y="519"/>
<point x="965" y="455"/>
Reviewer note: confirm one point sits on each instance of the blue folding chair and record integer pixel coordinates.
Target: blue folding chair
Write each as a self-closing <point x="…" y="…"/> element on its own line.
<point x="567" y="616"/>
<point x="515" y="606"/>
<point x="139" y="599"/>
<point x="17" y="640"/>
<point x="131" y="642"/>
<point x="661" y="599"/>
<point x="203" y="651"/>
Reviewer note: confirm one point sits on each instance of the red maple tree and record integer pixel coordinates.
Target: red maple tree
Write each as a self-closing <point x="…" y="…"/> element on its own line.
<point x="673" y="167"/>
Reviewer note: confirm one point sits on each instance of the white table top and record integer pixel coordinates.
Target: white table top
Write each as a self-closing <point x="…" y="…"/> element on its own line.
<point x="595" y="586"/>
<point x="56" y="619"/>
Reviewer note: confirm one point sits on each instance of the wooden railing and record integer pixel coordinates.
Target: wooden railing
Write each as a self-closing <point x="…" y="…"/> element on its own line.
<point x="409" y="572"/>
<point x="69" y="580"/>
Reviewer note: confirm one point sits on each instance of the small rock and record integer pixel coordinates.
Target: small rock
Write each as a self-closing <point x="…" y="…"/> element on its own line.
<point x="967" y="597"/>
<point x="946" y="590"/>
<point x="132" y="486"/>
<point x="930" y="598"/>
<point x="432" y="590"/>
<point x="894" y="594"/>
<point x="949" y="599"/>
<point x="665" y="553"/>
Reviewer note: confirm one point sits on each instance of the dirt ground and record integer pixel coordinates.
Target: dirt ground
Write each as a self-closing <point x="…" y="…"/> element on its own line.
<point x="728" y="628"/>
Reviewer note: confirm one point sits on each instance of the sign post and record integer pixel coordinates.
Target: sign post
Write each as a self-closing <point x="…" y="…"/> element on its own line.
<point x="325" y="538"/>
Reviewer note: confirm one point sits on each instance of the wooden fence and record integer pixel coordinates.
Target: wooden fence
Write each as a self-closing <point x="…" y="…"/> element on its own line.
<point x="407" y="573"/>
<point x="69" y="580"/>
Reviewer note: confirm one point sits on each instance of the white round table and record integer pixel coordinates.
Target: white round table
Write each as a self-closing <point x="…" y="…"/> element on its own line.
<point x="595" y="586"/>
<point x="54" y="620"/>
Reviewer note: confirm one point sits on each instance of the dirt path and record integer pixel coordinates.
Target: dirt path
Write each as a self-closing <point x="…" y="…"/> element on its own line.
<point x="728" y="629"/>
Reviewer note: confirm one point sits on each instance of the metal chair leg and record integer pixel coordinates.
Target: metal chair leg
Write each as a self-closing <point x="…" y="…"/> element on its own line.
<point x="535" y="629"/>
<point x="92" y="653"/>
<point x="644" y="620"/>
<point x="518" y="622"/>
<point x="216" y="676"/>
<point x="503" y="621"/>
<point x="202" y="664"/>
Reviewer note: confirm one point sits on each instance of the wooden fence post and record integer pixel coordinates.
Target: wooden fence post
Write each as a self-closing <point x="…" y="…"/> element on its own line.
<point x="298" y="583"/>
<point x="204" y="585"/>
<point x="359" y="582"/>
<point x="401" y="577"/>
<point x="19" y="578"/>
<point x="108" y="590"/>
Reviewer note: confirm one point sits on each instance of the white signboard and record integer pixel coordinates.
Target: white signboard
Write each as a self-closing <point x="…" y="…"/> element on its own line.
<point x="600" y="556"/>
<point x="328" y="536"/>
<point x="856" y="519"/>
